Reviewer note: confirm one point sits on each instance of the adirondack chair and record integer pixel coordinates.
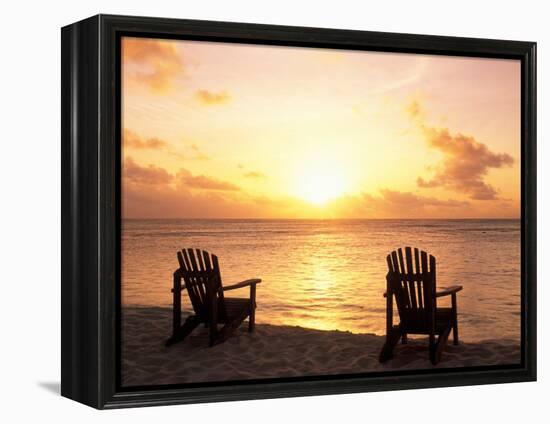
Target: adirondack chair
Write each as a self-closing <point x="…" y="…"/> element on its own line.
<point x="414" y="289"/>
<point x="202" y="280"/>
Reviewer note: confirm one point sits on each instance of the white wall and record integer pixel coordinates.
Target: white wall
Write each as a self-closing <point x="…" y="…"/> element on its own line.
<point x="30" y="241"/>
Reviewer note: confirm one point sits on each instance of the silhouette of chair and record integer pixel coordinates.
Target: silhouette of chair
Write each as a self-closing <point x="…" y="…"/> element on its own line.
<point x="414" y="290"/>
<point x="202" y="280"/>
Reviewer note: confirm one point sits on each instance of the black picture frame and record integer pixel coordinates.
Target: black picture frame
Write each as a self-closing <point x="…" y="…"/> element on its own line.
<point x="90" y="181"/>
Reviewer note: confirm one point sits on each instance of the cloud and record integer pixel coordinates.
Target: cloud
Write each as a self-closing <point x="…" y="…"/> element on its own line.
<point x="414" y="110"/>
<point x="152" y="192"/>
<point x="465" y="164"/>
<point x="132" y="140"/>
<point x="150" y="175"/>
<point x="255" y="175"/>
<point x="150" y="62"/>
<point x="394" y="204"/>
<point x="197" y="153"/>
<point x="210" y="98"/>
<point x="136" y="174"/>
<point x="187" y="196"/>
<point x="168" y="201"/>
<point x="394" y="201"/>
<point x="203" y="182"/>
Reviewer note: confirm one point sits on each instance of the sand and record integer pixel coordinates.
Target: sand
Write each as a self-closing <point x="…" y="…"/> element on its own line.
<point x="278" y="351"/>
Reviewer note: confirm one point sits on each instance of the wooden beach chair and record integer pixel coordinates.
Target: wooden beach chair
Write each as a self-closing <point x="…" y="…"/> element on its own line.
<point x="202" y="280"/>
<point x="414" y="290"/>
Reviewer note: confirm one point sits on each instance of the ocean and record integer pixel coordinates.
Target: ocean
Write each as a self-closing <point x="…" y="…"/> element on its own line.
<point x="330" y="274"/>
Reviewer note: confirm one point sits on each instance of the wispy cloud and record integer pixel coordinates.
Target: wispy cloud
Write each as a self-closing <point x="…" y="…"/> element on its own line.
<point x="152" y="63"/>
<point x="204" y="182"/>
<point x="255" y="175"/>
<point x="131" y="140"/>
<point x="396" y="204"/>
<point x="211" y="98"/>
<point x="197" y="153"/>
<point x="414" y="110"/>
<point x="135" y="173"/>
<point x="147" y="175"/>
<point x="398" y="201"/>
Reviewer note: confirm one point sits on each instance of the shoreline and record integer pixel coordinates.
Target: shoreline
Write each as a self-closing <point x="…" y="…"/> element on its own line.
<point x="278" y="351"/>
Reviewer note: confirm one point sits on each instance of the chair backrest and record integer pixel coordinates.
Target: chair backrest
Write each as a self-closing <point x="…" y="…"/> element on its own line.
<point x="201" y="273"/>
<point x="412" y="280"/>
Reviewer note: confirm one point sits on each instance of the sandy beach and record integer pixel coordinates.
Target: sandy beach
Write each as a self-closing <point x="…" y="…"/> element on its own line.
<point x="277" y="351"/>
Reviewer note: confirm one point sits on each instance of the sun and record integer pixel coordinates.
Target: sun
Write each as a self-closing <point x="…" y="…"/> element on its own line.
<point x="320" y="184"/>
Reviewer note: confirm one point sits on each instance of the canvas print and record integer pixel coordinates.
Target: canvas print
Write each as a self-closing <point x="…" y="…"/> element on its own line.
<point x="292" y="212"/>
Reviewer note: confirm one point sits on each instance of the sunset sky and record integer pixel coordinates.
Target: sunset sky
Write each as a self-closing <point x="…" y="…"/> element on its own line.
<point x="216" y="130"/>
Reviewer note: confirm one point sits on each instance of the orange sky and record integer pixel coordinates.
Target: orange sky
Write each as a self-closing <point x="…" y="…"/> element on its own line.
<point x="216" y="130"/>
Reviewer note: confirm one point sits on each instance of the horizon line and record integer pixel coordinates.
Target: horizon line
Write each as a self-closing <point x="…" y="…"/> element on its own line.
<point x="325" y="219"/>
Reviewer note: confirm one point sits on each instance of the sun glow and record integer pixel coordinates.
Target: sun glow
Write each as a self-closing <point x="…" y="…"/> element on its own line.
<point x="320" y="184"/>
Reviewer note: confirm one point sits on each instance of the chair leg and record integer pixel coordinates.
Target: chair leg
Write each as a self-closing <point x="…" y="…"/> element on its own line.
<point x="432" y="347"/>
<point x="212" y="335"/>
<point x="455" y="333"/>
<point x="181" y="333"/>
<point x="437" y="349"/>
<point x="228" y="329"/>
<point x="455" y="319"/>
<point x="391" y="340"/>
<point x="251" y="321"/>
<point x="252" y="316"/>
<point x="213" y="324"/>
<point x="404" y="338"/>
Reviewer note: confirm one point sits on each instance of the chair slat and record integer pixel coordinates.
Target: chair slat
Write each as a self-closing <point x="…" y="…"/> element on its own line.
<point x="396" y="284"/>
<point x="410" y="278"/>
<point x="215" y="264"/>
<point x="390" y="264"/>
<point x="427" y="282"/>
<point x="207" y="263"/>
<point x="186" y="259"/>
<point x="199" y="260"/>
<point x="181" y="261"/>
<point x="216" y="269"/>
<point x="194" y="294"/>
<point x="433" y="283"/>
<point x="404" y="282"/>
<point x="192" y="259"/>
<point x="418" y="277"/>
<point x="197" y="278"/>
<point x="201" y="287"/>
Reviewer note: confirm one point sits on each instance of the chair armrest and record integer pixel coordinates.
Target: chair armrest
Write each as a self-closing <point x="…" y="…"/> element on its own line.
<point x="242" y="284"/>
<point x="177" y="274"/>
<point x="448" y="290"/>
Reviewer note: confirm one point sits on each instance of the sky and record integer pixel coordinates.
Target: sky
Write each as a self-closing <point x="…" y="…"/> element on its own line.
<point x="220" y="130"/>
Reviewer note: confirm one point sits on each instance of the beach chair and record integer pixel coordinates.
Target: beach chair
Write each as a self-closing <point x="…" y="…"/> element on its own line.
<point x="202" y="281"/>
<point x="414" y="290"/>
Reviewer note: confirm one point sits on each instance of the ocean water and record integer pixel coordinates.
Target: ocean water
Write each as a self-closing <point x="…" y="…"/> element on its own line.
<point x="330" y="274"/>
